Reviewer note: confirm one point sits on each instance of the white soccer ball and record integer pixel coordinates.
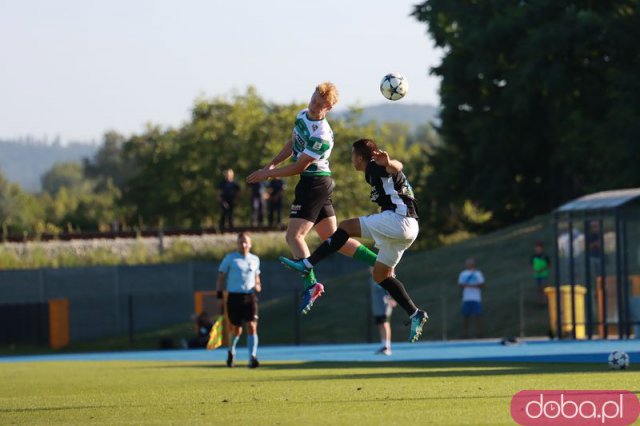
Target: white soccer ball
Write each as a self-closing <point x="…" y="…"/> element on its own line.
<point x="618" y="360"/>
<point x="394" y="86"/>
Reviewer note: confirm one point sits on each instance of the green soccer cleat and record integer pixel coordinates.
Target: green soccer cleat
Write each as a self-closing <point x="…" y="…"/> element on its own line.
<point x="417" y="322"/>
<point x="295" y="265"/>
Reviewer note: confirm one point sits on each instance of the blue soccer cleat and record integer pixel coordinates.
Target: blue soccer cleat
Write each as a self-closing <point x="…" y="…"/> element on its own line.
<point x="309" y="296"/>
<point x="417" y="322"/>
<point x="295" y="265"/>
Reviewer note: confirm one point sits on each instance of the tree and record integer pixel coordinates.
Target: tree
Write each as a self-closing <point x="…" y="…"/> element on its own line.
<point x="63" y="175"/>
<point x="109" y="163"/>
<point x="74" y="201"/>
<point x="539" y="104"/>
<point x="19" y="210"/>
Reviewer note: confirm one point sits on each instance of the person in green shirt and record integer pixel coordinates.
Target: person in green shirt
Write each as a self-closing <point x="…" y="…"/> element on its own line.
<point x="540" y="263"/>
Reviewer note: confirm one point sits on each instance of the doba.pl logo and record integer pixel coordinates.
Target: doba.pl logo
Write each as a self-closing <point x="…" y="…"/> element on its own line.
<point x="613" y="408"/>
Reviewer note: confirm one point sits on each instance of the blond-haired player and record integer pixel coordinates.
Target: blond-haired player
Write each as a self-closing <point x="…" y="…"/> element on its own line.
<point x="310" y="147"/>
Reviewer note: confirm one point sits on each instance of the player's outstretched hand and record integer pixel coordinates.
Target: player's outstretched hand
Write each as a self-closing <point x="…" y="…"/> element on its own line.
<point x="257" y="176"/>
<point x="381" y="158"/>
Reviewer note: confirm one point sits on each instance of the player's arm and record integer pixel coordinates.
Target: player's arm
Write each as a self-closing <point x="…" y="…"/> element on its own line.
<point x="480" y="283"/>
<point x="292" y="169"/>
<point x="221" y="283"/>
<point x="258" y="284"/>
<point x="284" y="153"/>
<point x="391" y="166"/>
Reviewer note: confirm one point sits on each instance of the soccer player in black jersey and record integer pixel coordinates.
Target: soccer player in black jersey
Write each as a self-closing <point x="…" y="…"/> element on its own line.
<point x="394" y="229"/>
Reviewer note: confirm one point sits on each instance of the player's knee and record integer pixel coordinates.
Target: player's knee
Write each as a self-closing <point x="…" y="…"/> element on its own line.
<point x="378" y="277"/>
<point x="381" y="273"/>
<point x="295" y="236"/>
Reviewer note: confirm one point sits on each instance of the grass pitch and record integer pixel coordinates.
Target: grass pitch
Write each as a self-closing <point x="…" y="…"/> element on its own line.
<point x="283" y="393"/>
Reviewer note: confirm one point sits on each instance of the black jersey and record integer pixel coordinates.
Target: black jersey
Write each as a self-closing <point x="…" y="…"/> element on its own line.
<point x="391" y="191"/>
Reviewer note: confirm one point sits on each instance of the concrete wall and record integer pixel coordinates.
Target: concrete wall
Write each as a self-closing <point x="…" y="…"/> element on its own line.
<point x="160" y="295"/>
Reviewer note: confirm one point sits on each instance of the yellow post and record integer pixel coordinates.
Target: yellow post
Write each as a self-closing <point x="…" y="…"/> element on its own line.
<point x="565" y="308"/>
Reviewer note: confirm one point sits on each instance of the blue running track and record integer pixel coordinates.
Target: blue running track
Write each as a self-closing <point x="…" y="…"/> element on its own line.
<point x="480" y="350"/>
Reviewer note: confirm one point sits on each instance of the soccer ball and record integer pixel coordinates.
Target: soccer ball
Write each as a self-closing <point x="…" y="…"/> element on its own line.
<point x="618" y="360"/>
<point x="394" y="86"/>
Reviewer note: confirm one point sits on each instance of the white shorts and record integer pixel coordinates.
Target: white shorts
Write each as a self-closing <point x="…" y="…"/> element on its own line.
<point x="392" y="233"/>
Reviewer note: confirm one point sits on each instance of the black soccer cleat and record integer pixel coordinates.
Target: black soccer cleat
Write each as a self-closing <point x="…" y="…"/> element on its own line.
<point x="253" y="362"/>
<point x="230" y="359"/>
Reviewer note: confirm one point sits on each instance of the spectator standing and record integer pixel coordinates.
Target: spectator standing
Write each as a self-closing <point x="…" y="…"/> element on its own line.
<point x="228" y="191"/>
<point x="382" y="305"/>
<point x="540" y="263"/>
<point x="275" y="191"/>
<point x="257" y="203"/>
<point x="471" y="281"/>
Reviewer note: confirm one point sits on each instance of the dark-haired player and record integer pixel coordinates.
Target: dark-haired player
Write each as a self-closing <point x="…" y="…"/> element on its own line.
<point x="394" y="229"/>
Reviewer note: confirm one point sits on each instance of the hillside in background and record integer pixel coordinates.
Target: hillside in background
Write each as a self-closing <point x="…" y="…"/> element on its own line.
<point x="25" y="162"/>
<point x="341" y="315"/>
<point x="415" y="115"/>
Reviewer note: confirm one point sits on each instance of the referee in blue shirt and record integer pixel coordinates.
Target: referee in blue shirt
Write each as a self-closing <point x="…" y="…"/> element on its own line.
<point x="239" y="275"/>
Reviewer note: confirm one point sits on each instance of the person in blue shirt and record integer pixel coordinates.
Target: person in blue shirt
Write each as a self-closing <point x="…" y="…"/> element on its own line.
<point x="239" y="275"/>
<point x="471" y="282"/>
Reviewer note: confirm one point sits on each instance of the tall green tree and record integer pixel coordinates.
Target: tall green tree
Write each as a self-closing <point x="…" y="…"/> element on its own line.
<point x="539" y="104"/>
<point x="63" y="175"/>
<point x="109" y="163"/>
<point x="20" y="211"/>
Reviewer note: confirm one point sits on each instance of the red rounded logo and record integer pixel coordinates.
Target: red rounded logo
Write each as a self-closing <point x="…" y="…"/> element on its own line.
<point x="575" y="407"/>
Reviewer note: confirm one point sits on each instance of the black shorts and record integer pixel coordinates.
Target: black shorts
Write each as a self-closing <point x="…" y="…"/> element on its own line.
<point x="313" y="199"/>
<point x="381" y="319"/>
<point x="242" y="307"/>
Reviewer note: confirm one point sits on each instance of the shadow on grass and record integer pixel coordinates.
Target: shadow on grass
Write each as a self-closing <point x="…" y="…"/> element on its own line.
<point x="63" y="408"/>
<point x="380" y="370"/>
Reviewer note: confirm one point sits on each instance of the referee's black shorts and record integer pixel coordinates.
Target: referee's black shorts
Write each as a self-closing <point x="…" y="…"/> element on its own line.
<point x="242" y="307"/>
<point x="313" y="199"/>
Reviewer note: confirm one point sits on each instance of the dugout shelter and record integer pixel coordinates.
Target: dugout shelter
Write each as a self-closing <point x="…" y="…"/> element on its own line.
<point x="598" y="247"/>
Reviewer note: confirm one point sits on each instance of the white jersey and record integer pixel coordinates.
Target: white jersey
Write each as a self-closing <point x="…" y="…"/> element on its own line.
<point x="473" y="278"/>
<point x="314" y="138"/>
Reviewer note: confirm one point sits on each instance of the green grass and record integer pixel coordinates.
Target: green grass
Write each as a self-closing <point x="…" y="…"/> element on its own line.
<point x="282" y="393"/>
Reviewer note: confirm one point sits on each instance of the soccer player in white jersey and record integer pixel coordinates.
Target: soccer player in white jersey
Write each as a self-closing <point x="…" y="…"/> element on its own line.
<point x="310" y="147"/>
<point x="394" y="229"/>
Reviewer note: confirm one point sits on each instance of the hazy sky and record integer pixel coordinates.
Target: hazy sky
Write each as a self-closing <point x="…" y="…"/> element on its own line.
<point x="76" y="68"/>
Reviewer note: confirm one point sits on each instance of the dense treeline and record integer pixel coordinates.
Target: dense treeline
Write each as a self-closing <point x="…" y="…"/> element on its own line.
<point x="540" y="104"/>
<point x="168" y="178"/>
